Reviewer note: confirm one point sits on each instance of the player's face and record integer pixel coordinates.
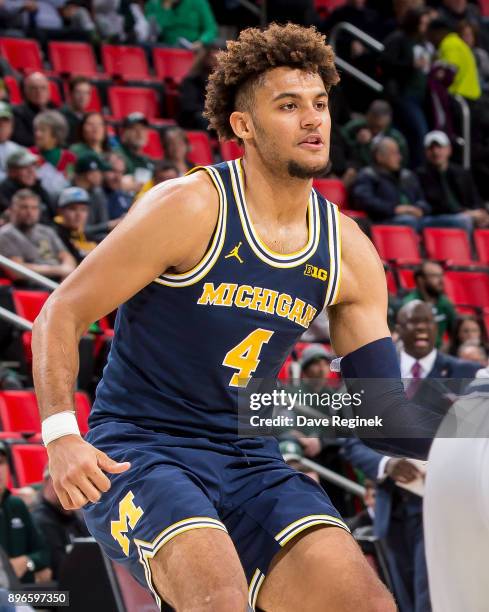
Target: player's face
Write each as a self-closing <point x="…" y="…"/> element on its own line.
<point x="291" y="122"/>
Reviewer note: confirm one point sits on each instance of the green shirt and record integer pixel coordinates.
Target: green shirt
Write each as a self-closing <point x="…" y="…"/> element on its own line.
<point x="456" y="52"/>
<point x="133" y="160"/>
<point x="190" y="19"/>
<point x="19" y="535"/>
<point x="443" y="311"/>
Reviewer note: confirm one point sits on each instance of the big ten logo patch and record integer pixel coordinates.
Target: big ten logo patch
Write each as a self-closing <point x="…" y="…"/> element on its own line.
<point x="315" y="272"/>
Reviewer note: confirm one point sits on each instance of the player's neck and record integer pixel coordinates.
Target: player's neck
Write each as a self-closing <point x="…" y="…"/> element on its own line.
<point x="280" y="198"/>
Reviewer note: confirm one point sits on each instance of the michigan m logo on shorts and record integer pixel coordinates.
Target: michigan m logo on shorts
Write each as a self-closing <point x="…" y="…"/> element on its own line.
<point x="129" y="515"/>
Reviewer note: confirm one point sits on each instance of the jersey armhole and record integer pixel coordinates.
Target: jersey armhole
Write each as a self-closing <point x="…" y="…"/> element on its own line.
<point x="334" y="246"/>
<point x="216" y="243"/>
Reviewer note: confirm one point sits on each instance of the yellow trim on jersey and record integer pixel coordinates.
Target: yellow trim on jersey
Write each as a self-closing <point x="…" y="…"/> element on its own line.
<point x="147" y="550"/>
<point x="209" y="259"/>
<point x="338" y="255"/>
<point x="254" y="588"/>
<point x="334" y="262"/>
<point x="292" y="530"/>
<point x="278" y="260"/>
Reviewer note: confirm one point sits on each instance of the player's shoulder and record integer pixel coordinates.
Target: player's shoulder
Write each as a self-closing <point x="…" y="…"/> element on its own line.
<point x="191" y="197"/>
<point x="355" y="244"/>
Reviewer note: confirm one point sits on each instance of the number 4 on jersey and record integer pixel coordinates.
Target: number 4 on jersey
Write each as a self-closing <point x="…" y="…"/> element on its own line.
<point x="245" y="356"/>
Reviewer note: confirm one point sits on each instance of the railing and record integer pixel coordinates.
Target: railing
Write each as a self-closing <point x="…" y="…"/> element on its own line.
<point x="368" y="40"/>
<point x="15" y="320"/>
<point x="344" y="483"/>
<point x="39" y="279"/>
<point x="463" y="140"/>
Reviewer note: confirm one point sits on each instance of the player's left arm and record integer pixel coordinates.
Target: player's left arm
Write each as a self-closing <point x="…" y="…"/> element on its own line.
<point x="359" y="333"/>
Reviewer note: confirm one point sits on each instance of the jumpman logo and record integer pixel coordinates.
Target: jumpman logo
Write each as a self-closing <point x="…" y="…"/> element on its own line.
<point x="234" y="253"/>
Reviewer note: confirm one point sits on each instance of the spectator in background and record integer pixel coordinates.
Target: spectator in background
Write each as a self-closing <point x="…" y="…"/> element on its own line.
<point x="109" y="21"/>
<point x="89" y="171"/>
<point x="187" y="23"/>
<point x="359" y="133"/>
<point x="80" y="90"/>
<point x="22" y="174"/>
<point x="71" y="222"/>
<point x="7" y="146"/>
<point x="454" y="51"/>
<point x="15" y="16"/>
<point x="472" y="351"/>
<point x="406" y="63"/>
<point x="59" y="526"/>
<point x="454" y="12"/>
<point x="19" y="536"/>
<point x="164" y="171"/>
<point x="192" y="89"/>
<point x="469" y="32"/>
<point x="449" y="189"/>
<point x="388" y="193"/>
<point x="430" y="288"/>
<point x="91" y="136"/>
<point x="56" y="162"/>
<point x="37" y="96"/>
<point x="177" y="147"/>
<point x="32" y="244"/>
<point x="467" y="328"/>
<point x="118" y="199"/>
<point x="134" y="137"/>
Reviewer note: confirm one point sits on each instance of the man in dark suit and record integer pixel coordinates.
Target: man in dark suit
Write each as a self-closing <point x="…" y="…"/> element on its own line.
<point x="398" y="513"/>
<point x="449" y="189"/>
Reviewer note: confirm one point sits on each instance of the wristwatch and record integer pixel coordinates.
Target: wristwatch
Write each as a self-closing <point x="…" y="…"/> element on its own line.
<point x="30" y="565"/>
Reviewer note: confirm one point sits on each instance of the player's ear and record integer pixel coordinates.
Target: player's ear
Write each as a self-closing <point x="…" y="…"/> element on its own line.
<point x="241" y="125"/>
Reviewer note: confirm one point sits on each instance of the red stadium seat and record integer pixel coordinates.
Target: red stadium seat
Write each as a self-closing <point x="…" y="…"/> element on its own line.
<point x="484" y="7"/>
<point x="128" y="63"/>
<point x="19" y="411"/>
<point x="83" y="407"/>
<point x="55" y="93"/>
<point x="29" y="461"/>
<point x="73" y="58"/>
<point x="230" y="149"/>
<point x="23" y="54"/>
<point x="485" y="316"/>
<point x="406" y="278"/>
<point x="13" y="88"/>
<point x="391" y="282"/>
<point x="448" y="244"/>
<point x="154" y="147"/>
<point x="481" y="238"/>
<point x="172" y="64"/>
<point x="396" y="243"/>
<point x="126" y="100"/>
<point x="201" y="151"/>
<point x="333" y="190"/>
<point x="468" y="288"/>
<point x="28" y="304"/>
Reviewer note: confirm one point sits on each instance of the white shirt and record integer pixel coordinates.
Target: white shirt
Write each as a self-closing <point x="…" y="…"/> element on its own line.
<point x="407" y="362"/>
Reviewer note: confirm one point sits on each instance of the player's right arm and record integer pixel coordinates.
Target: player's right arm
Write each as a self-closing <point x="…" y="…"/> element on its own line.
<point x="169" y="229"/>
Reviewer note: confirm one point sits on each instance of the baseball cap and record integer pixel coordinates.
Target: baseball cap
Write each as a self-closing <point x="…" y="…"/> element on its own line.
<point x="73" y="195"/>
<point x="5" y="111"/>
<point x="21" y="158"/>
<point x="315" y="352"/>
<point x="134" y="119"/>
<point x="436" y="137"/>
<point x="89" y="162"/>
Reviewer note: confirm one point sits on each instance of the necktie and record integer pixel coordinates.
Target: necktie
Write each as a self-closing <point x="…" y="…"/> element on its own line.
<point x="415" y="380"/>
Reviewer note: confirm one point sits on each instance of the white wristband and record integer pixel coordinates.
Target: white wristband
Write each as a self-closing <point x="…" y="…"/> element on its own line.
<point x="58" y="425"/>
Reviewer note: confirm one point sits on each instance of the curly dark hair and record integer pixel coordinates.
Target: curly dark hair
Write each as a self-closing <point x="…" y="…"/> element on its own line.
<point x="240" y="67"/>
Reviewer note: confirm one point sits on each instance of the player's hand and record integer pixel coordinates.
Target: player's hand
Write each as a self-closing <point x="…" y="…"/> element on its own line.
<point x="401" y="470"/>
<point x="77" y="470"/>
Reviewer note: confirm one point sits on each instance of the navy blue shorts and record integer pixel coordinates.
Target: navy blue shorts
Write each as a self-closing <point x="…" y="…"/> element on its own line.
<point x="176" y="484"/>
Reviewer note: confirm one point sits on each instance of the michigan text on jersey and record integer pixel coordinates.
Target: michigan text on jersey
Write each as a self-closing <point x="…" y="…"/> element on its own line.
<point x="260" y="299"/>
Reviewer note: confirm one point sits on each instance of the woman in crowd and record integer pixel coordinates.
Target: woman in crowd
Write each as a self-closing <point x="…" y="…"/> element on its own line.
<point x="177" y="148"/>
<point x="92" y="136"/>
<point x="467" y="328"/>
<point x="56" y="162"/>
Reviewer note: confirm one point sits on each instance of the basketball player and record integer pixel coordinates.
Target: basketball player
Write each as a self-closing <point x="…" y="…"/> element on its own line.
<point x="218" y="274"/>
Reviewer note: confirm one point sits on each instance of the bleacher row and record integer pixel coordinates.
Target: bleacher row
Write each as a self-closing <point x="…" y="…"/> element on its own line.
<point x="136" y="88"/>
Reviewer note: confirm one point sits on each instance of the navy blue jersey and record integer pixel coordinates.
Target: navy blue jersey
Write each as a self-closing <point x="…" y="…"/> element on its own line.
<point x="185" y="343"/>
